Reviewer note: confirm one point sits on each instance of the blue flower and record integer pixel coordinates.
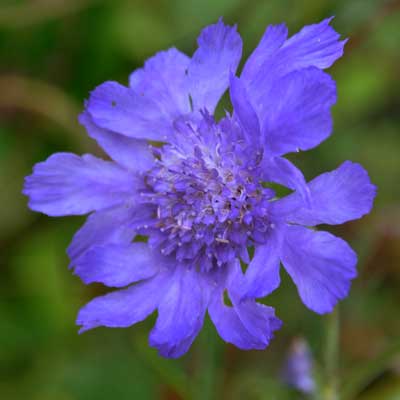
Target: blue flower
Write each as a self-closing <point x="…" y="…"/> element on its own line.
<point x="200" y="196"/>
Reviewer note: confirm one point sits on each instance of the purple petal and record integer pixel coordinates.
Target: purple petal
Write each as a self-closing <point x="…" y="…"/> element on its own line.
<point x="283" y="172"/>
<point x="337" y="196"/>
<point x="118" y="265"/>
<point x="180" y="314"/>
<point x="259" y="320"/>
<point x="122" y="110"/>
<point x="272" y="40"/>
<point x="218" y="54"/>
<point x="102" y="227"/>
<point x="315" y="45"/>
<point x="163" y="79"/>
<point x="262" y="275"/>
<point x="123" y="308"/>
<point x="248" y="325"/>
<point x="297" y="111"/>
<point x="320" y="264"/>
<point x="66" y="184"/>
<point x="244" y="110"/>
<point x="132" y="154"/>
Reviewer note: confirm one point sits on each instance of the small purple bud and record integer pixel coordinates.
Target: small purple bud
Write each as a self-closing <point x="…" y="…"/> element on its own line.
<point x="297" y="370"/>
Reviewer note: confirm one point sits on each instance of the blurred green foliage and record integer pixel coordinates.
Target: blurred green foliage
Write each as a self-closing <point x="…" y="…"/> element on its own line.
<point x="53" y="52"/>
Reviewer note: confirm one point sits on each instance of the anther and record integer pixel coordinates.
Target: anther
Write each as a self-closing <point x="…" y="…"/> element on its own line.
<point x="221" y="240"/>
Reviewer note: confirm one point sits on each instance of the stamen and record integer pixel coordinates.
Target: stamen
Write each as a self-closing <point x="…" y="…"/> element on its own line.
<point x="221" y="240"/>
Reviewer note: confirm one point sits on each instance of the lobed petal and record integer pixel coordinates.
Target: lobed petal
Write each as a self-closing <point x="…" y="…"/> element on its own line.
<point x="320" y="264"/>
<point x="120" y="109"/>
<point x="282" y="171"/>
<point x="113" y="225"/>
<point x="262" y="274"/>
<point x="118" y="265"/>
<point x="297" y="111"/>
<point x="244" y="110"/>
<point x="273" y="38"/>
<point x="337" y="197"/>
<point x="163" y="79"/>
<point x="218" y="54"/>
<point x="123" y="308"/>
<point x="67" y="184"/>
<point x="133" y="154"/>
<point x="247" y="324"/>
<point x="180" y="314"/>
<point x="315" y="45"/>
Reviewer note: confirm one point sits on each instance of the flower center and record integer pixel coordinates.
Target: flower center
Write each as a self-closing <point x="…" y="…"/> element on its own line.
<point x="210" y="205"/>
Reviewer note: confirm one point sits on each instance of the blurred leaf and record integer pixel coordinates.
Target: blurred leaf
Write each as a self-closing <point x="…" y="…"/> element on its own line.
<point x="360" y="376"/>
<point x="389" y="389"/>
<point x="25" y="13"/>
<point x="139" y="30"/>
<point x="46" y="100"/>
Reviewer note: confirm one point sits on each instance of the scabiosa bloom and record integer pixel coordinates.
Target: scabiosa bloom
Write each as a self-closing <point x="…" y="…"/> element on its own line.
<point x="200" y="197"/>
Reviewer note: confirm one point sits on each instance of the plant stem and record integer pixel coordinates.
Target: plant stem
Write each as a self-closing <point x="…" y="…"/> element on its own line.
<point x="206" y="379"/>
<point x="331" y="386"/>
<point x="168" y="370"/>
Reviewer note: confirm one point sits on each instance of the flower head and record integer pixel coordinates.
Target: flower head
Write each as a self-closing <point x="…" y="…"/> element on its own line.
<point x="208" y="197"/>
<point x="201" y="196"/>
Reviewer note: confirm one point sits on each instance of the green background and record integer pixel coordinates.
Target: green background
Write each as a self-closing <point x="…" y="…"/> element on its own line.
<point x="53" y="52"/>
